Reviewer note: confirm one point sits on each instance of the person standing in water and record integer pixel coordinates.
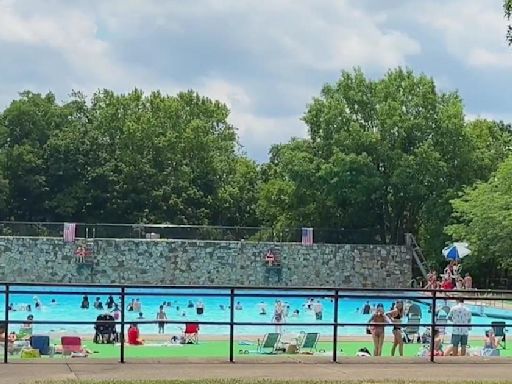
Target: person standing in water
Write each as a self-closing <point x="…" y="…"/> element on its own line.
<point x="278" y="316"/>
<point x="161" y="316"/>
<point x="199" y="307"/>
<point x="85" y="302"/>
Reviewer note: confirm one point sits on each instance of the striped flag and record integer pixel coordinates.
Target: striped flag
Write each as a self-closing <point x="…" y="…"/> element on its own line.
<point x="307" y="236"/>
<point x="69" y="232"/>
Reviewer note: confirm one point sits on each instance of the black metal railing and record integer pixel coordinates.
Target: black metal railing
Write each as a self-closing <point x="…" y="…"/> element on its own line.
<point x="427" y="297"/>
<point x="190" y="232"/>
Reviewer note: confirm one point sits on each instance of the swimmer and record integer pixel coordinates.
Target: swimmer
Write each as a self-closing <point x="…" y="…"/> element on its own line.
<point x="54" y="302"/>
<point x="85" y="302"/>
<point x="262" y="308"/>
<point x="141" y="316"/>
<point x="222" y="307"/>
<point x="190" y="304"/>
<point x="238" y="306"/>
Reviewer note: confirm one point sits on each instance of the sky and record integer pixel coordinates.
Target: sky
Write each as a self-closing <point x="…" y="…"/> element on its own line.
<point x="266" y="59"/>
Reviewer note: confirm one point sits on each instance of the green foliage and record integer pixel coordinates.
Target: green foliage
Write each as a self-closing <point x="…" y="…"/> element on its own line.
<point x="379" y="152"/>
<point x="483" y="215"/>
<point x="507" y="7"/>
<point x="125" y="158"/>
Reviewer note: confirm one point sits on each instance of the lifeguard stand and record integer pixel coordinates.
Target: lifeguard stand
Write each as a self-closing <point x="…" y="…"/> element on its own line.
<point x="273" y="268"/>
<point x="84" y="251"/>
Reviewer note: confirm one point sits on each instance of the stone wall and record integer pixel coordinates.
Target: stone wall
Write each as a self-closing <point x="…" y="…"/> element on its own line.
<point x="205" y="262"/>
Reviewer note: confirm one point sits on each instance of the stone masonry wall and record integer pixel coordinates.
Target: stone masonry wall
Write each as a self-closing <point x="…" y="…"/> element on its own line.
<point x="142" y="261"/>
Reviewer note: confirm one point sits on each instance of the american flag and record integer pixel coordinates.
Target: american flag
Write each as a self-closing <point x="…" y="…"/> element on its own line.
<point x="307" y="236"/>
<point x="69" y="232"/>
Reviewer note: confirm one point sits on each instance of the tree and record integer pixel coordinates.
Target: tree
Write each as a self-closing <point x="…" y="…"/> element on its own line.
<point x="483" y="217"/>
<point x="28" y="124"/>
<point x="507" y="7"/>
<point x="126" y="158"/>
<point x="379" y="152"/>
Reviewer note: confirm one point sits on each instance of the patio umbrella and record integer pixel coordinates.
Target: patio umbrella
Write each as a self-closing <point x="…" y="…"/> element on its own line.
<point x="456" y="251"/>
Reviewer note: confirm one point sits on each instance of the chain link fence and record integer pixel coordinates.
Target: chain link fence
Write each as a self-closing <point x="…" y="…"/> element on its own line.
<point x="189" y="232"/>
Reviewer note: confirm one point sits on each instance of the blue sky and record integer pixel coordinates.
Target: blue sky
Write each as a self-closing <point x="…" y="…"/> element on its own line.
<point x="265" y="58"/>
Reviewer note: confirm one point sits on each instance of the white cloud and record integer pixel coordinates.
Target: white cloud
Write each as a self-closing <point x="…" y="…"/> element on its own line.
<point x="325" y="35"/>
<point x="90" y="46"/>
<point x="473" y="30"/>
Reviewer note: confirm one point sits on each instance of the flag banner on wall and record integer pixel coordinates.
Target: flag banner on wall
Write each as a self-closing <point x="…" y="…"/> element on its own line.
<point x="307" y="236"/>
<point x="69" y="232"/>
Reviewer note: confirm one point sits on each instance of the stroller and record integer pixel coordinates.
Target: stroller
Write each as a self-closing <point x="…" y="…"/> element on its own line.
<point x="105" y="330"/>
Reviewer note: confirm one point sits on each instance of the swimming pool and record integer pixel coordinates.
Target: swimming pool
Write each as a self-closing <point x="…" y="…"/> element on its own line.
<point x="216" y="309"/>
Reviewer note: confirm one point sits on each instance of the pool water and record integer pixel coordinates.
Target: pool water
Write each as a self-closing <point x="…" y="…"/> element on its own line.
<point x="67" y="308"/>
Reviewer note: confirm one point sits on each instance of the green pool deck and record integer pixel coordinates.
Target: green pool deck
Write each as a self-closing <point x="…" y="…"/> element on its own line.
<point x="219" y="350"/>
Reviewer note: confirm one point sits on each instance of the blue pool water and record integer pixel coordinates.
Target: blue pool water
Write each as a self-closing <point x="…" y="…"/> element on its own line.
<point x="67" y="308"/>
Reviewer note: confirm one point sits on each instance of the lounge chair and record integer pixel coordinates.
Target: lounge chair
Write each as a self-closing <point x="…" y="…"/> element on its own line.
<point x="309" y="342"/>
<point x="41" y="343"/>
<point x="412" y="328"/>
<point x="414" y="310"/>
<point x="71" y="344"/>
<point x="499" y="331"/>
<point x="269" y="343"/>
<point x="191" y="333"/>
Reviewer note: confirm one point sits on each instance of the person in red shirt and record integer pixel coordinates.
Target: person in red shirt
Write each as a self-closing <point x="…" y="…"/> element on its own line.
<point x="134" y="336"/>
<point x="447" y="284"/>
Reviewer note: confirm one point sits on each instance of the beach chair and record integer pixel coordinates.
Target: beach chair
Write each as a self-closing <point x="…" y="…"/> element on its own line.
<point x="412" y="328"/>
<point x="414" y="310"/>
<point x="499" y="331"/>
<point x="269" y="343"/>
<point x="309" y="342"/>
<point x="191" y="333"/>
<point x="71" y="344"/>
<point x="41" y="343"/>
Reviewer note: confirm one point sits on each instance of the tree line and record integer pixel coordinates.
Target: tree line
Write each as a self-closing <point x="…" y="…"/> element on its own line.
<point x="388" y="156"/>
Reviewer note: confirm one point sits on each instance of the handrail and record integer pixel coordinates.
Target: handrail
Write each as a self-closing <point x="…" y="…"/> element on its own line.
<point x="336" y="294"/>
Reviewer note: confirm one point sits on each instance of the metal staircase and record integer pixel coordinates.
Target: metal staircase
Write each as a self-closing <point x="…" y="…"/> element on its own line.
<point x="417" y="254"/>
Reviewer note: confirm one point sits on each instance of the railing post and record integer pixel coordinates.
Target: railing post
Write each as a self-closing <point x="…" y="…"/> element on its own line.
<point x="123" y="308"/>
<point x="6" y="317"/>
<point x="231" y="324"/>
<point x="335" y="329"/>
<point x="433" y="325"/>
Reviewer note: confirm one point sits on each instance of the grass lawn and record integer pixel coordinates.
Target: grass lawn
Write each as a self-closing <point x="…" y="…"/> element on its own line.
<point x="261" y="381"/>
<point x="220" y="350"/>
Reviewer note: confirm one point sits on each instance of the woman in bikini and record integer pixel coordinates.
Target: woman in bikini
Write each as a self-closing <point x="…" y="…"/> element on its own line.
<point x="278" y="316"/>
<point x="377" y="331"/>
<point x="396" y="315"/>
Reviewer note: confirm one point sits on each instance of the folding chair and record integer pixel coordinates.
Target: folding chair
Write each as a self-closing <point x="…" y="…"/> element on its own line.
<point x="500" y="331"/>
<point x="191" y="333"/>
<point x="309" y="342"/>
<point x="269" y="343"/>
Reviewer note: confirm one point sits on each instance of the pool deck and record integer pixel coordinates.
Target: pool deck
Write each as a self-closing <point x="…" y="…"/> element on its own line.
<point x="288" y="368"/>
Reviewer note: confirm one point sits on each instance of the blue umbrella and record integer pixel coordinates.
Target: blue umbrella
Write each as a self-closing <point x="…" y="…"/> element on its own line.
<point x="456" y="251"/>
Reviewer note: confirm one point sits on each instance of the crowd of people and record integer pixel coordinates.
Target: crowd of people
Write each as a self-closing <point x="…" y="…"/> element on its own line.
<point x="282" y="312"/>
<point x="450" y="279"/>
